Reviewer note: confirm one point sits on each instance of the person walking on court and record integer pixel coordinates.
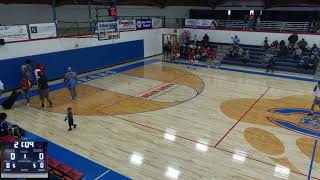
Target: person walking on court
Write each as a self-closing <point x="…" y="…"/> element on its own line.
<point x="316" y="101"/>
<point x="71" y="79"/>
<point x="43" y="89"/>
<point x="25" y="87"/>
<point x="69" y="118"/>
<point x="26" y="69"/>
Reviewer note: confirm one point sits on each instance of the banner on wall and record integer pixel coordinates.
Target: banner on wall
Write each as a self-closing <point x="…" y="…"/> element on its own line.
<point x="14" y="33"/>
<point x="127" y="25"/>
<point x="108" y="30"/>
<point x="201" y="23"/>
<point x="43" y="30"/>
<point x="144" y="23"/>
<point x="156" y="23"/>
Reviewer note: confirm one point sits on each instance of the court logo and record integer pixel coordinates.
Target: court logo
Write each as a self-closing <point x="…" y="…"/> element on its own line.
<point x="308" y="125"/>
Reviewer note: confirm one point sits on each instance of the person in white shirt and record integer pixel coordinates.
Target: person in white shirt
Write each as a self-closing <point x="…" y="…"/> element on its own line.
<point x="316" y="101"/>
<point x="1" y="88"/>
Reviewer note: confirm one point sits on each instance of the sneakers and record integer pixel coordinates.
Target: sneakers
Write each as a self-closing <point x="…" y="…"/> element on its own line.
<point x="50" y="104"/>
<point x="74" y="126"/>
<point x="69" y="129"/>
<point x="42" y="106"/>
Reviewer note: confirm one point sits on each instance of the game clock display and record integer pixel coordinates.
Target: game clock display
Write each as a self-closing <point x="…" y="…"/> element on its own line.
<point x="25" y="159"/>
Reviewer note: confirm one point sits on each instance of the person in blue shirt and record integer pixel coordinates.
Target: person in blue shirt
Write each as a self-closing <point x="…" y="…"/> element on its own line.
<point x="71" y="80"/>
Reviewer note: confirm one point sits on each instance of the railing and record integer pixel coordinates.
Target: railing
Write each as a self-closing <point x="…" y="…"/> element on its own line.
<point x="284" y="26"/>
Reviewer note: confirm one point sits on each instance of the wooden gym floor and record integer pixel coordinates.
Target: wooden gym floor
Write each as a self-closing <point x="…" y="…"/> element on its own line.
<point x="164" y="121"/>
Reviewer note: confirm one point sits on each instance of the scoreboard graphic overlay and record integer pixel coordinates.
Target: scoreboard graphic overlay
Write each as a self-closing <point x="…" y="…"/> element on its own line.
<point x="25" y="159"/>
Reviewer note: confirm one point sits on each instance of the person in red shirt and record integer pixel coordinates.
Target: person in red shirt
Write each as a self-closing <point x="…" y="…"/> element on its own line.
<point x="39" y="68"/>
<point x="177" y="52"/>
<point x="214" y="61"/>
<point x="192" y="58"/>
<point x="25" y="87"/>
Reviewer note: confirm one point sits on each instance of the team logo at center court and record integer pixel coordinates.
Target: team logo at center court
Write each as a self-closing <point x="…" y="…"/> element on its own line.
<point x="308" y="125"/>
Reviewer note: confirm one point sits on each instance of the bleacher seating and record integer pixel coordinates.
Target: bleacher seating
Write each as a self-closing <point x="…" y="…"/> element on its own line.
<point x="287" y="63"/>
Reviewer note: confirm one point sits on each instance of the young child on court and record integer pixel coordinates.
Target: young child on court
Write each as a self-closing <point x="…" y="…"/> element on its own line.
<point x="69" y="118"/>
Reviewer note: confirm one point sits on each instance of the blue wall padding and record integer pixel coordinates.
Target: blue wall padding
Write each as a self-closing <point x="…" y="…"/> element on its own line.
<point x="81" y="60"/>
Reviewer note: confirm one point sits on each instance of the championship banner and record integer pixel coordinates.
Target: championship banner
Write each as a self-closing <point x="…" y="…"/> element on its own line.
<point x="144" y="23"/>
<point x="126" y="25"/>
<point x="156" y="23"/>
<point x="108" y="30"/>
<point x="43" y="30"/>
<point x="14" y="33"/>
<point x="201" y="23"/>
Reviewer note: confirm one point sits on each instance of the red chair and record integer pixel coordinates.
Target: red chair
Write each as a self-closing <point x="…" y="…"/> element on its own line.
<point x="64" y="168"/>
<point x="76" y="175"/>
<point x="54" y="163"/>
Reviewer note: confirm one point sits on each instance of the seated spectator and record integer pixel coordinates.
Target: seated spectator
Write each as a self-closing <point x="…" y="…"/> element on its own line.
<point x="3" y="125"/>
<point x="292" y="40"/>
<point x="205" y="53"/>
<point x="184" y="51"/>
<point x="302" y="44"/>
<point x="314" y="49"/>
<point x="205" y="39"/>
<point x="246" y="56"/>
<point x="266" y="43"/>
<point x="283" y="49"/>
<point x="275" y="46"/>
<point x="303" y="62"/>
<point x="298" y="54"/>
<point x="240" y="52"/>
<point x="235" y="40"/>
<point x="313" y="62"/>
<point x="1" y="88"/>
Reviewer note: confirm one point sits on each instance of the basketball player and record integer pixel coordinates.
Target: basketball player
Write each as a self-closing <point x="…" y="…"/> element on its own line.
<point x="316" y="101"/>
<point x="69" y="118"/>
<point x="192" y="58"/>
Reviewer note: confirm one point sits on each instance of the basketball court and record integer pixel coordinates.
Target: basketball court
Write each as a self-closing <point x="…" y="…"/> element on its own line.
<point x="156" y="120"/>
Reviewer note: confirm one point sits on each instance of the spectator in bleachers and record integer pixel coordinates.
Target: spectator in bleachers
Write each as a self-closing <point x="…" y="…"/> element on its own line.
<point x="240" y="52"/>
<point x="298" y="54"/>
<point x="246" y="56"/>
<point x="205" y="53"/>
<point x="205" y="39"/>
<point x="275" y="46"/>
<point x="315" y="49"/>
<point x="303" y="63"/>
<point x="313" y="61"/>
<point x="283" y="49"/>
<point x="3" y="125"/>
<point x="184" y="51"/>
<point x="270" y="64"/>
<point x="1" y="88"/>
<point x="235" y="40"/>
<point x="26" y="69"/>
<point x="266" y="43"/>
<point x="302" y="44"/>
<point x="292" y="40"/>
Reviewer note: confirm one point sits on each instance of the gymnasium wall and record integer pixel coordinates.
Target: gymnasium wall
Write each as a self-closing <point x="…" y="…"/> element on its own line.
<point x="246" y="37"/>
<point x="36" y="13"/>
<point x="91" y="54"/>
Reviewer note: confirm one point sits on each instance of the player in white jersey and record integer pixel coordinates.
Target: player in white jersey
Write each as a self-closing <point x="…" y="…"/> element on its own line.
<point x="316" y="101"/>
